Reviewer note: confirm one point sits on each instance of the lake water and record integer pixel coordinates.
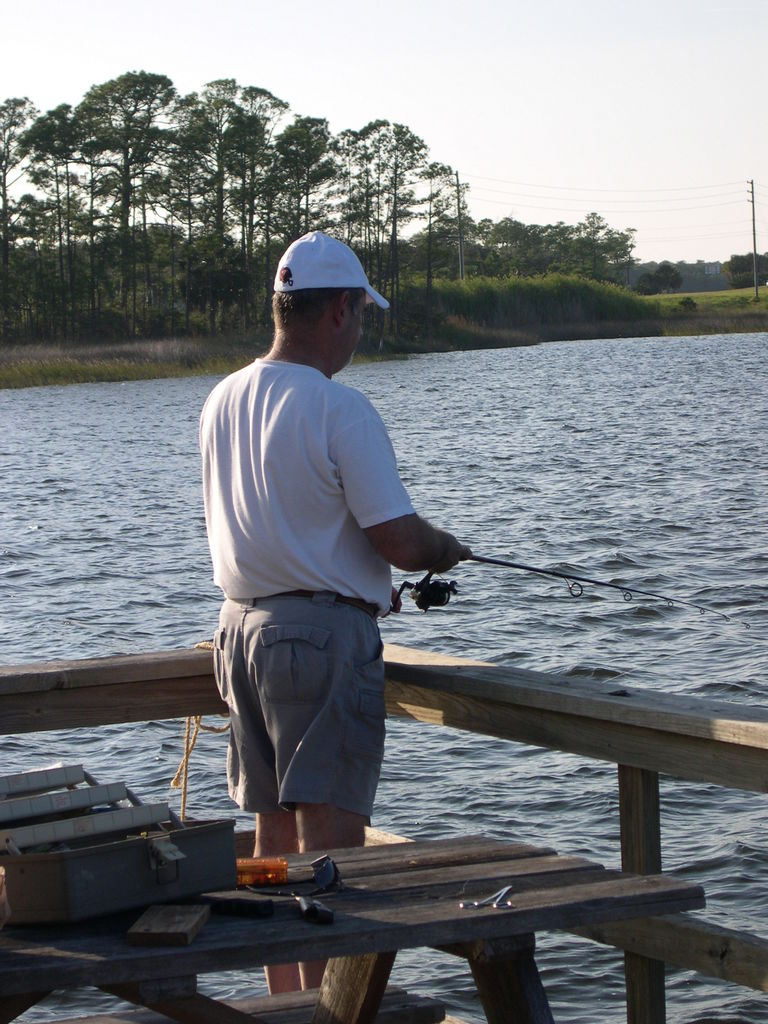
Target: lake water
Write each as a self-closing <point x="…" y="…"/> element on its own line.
<point x="639" y="461"/>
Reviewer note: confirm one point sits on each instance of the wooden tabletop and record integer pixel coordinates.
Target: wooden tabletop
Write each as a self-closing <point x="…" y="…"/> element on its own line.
<point x="394" y="897"/>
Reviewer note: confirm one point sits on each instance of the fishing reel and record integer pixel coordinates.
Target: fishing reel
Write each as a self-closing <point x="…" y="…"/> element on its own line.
<point x="429" y="593"/>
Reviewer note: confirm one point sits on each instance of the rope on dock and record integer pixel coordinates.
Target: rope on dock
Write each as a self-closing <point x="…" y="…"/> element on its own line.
<point x="193" y="727"/>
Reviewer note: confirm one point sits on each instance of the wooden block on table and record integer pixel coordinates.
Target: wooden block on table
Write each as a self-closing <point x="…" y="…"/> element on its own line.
<point x="168" y="925"/>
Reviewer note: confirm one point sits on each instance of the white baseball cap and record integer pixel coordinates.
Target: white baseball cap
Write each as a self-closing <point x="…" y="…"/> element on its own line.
<point x="318" y="261"/>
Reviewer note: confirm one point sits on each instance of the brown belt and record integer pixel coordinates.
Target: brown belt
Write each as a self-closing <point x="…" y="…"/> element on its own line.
<point x="356" y="602"/>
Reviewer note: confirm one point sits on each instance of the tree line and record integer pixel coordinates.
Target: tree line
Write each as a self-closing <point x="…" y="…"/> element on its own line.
<point x="144" y="213"/>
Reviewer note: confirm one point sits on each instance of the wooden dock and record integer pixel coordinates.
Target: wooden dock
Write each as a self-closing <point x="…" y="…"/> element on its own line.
<point x="644" y="733"/>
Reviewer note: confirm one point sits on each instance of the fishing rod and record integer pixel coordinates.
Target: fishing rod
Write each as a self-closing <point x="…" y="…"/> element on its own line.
<point x="430" y="593"/>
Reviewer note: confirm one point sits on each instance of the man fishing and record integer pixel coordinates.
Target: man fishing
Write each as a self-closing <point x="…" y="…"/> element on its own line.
<point x="305" y="513"/>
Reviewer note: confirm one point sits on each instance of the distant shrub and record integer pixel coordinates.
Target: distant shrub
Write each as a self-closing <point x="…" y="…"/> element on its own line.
<point x="528" y="301"/>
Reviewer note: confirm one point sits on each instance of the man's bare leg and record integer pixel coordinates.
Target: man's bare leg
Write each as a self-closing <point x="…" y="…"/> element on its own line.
<point x="322" y="827"/>
<point x="276" y="834"/>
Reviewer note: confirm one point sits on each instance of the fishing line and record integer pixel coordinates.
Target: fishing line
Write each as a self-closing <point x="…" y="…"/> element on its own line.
<point x="430" y="592"/>
<point x="574" y="584"/>
<point x="95" y="627"/>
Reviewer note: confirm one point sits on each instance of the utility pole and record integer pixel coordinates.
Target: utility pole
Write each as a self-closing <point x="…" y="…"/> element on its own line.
<point x="461" y="232"/>
<point x="751" y="184"/>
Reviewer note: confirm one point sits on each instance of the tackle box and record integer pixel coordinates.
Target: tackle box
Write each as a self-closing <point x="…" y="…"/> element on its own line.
<point x="73" y="848"/>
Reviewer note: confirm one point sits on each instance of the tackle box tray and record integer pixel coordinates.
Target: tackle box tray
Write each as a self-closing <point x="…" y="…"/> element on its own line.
<point x="64" y="865"/>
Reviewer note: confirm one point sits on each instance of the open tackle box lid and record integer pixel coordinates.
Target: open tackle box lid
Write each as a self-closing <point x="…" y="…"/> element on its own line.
<point x="73" y="848"/>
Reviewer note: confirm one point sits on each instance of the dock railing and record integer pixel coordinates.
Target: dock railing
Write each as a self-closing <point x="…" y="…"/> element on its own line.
<point x="644" y="733"/>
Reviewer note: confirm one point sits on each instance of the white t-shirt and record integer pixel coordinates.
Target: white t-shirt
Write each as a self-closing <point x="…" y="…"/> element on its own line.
<point x="295" y="467"/>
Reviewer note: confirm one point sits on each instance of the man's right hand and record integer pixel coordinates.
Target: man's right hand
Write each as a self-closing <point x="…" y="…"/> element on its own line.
<point x="454" y="553"/>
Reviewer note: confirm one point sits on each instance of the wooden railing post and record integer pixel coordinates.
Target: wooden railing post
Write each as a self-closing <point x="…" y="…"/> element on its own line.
<point x="641" y="854"/>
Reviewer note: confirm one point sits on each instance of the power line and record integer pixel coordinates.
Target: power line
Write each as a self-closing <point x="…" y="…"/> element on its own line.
<point x="573" y="188"/>
<point x="733" y="225"/>
<point x="577" y="209"/>
<point x="525" y="199"/>
<point x="527" y="195"/>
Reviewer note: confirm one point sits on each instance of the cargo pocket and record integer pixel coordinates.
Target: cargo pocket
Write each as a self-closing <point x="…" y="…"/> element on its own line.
<point x="365" y="732"/>
<point x="294" y="665"/>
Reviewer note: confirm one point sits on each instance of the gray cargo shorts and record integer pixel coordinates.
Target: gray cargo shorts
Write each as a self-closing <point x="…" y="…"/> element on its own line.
<point x="304" y="681"/>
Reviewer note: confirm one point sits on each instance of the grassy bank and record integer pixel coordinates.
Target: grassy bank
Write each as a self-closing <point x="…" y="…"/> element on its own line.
<point x="35" y="365"/>
<point x="473" y="315"/>
<point x="724" y="312"/>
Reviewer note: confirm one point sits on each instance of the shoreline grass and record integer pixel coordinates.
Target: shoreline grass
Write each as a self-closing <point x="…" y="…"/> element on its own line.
<point x="675" y="315"/>
<point x="37" y="365"/>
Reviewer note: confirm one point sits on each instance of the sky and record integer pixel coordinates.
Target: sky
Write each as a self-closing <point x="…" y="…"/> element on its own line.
<point x="651" y="114"/>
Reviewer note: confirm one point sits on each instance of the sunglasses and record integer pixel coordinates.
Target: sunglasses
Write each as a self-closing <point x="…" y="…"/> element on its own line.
<point x="326" y="875"/>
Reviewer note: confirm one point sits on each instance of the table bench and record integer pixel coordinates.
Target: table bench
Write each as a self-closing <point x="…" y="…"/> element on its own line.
<point x="394" y="897"/>
<point x="397" y="1007"/>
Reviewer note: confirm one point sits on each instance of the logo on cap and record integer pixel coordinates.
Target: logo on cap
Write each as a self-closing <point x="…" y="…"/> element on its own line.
<point x="286" y="277"/>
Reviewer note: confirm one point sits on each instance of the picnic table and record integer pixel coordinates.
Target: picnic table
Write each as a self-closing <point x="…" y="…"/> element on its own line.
<point x="393" y="897"/>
